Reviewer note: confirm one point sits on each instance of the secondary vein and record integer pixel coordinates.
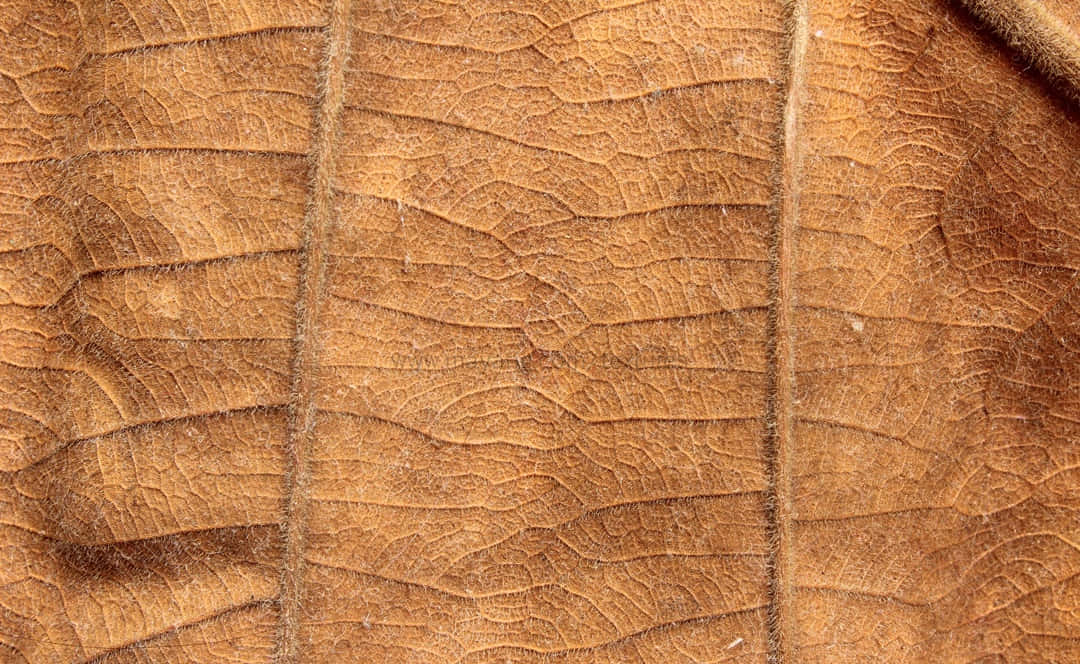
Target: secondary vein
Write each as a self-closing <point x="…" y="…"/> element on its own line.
<point x="302" y="406"/>
<point x="779" y="413"/>
<point x="1042" y="36"/>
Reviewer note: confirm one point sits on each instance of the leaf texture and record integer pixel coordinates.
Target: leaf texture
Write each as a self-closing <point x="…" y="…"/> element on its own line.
<point x="593" y="331"/>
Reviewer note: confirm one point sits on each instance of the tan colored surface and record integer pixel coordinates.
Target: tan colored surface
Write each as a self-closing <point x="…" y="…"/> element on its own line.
<point x="934" y="465"/>
<point x="535" y="331"/>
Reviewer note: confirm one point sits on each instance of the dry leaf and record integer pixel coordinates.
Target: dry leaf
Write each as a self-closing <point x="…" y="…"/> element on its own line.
<point x="592" y="331"/>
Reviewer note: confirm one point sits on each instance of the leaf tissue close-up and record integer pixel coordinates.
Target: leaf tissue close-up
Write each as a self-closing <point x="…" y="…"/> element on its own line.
<point x="539" y="331"/>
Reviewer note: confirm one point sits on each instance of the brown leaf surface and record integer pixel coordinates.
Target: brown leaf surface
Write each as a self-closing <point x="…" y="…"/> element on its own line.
<point x="592" y="331"/>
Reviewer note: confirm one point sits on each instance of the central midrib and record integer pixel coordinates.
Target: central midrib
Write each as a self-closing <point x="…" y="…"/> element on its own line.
<point x="302" y="407"/>
<point x="779" y="413"/>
